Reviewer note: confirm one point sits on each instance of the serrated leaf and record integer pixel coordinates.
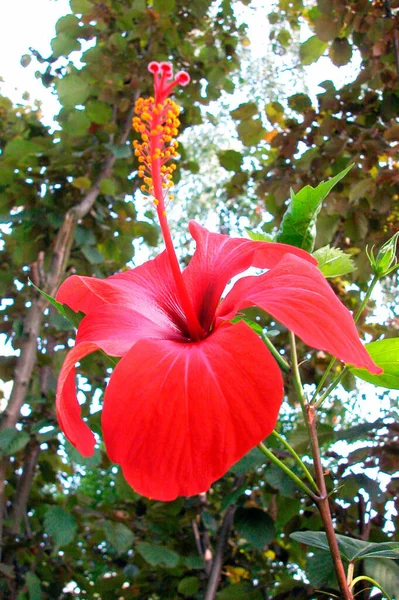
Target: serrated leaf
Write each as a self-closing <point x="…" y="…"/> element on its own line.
<point x="238" y="591"/>
<point x="275" y="113"/>
<point x="385" y="353"/>
<point x="255" y="525"/>
<point x="259" y="236"/>
<point x="19" y="149"/>
<point x="188" y="586"/>
<point x="340" y="52"/>
<point x="231" y="160"/>
<point x="67" y="24"/>
<point x="118" y="536"/>
<point x="34" y="588"/>
<point x="333" y="262"/>
<point x="78" y="123"/>
<point x="254" y="458"/>
<point x="60" y="525"/>
<point x="311" y="50"/>
<point x="158" y="556"/>
<point x="298" y="227"/>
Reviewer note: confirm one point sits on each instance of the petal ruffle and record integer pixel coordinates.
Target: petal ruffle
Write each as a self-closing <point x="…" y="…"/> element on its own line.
<point x="148" y="289"/>
<point x="218" y="258"/>
<point x="177" y="416"/>
<point x="296" y="294"/>
<point x="67" y="405"/>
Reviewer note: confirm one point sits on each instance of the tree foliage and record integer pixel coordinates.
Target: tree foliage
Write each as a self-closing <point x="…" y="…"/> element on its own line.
<point x="72" y="527"/>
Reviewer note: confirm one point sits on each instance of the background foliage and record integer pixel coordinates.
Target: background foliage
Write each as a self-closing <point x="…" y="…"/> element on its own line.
<point x="72" y="528"/>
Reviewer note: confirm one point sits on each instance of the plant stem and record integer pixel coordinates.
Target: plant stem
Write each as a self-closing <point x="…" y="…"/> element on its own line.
<point x="321" y="500"/>
<point x="373" y="582"/>
<point x="297" y="459"/>
<point x="331" y="387"/>
<point x="324" y="507"/>
<point x="281" y="361"/>
<point x="333" y="360"/>
<point x="287" y="471"/>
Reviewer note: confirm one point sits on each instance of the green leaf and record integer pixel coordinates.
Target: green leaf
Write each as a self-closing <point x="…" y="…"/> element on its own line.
<point x="19" y="149"/>
<point x="251" y="132"/>
<point x="12" y="441"/>
<point x="259" y="236"/>
<point x="254" y="458"/>
<point x="245" y="111"/>
<point x="275" y="113"/>
<point x="164" y="6"/>
<point x="91" y="462"/>
<point x="93" y="255"/>
<point x="238" y="591"/>
<point x="73" y="317"/>
<point x="72" y="90"/>
<point x="67" y="24"/>
<point x="232" y="497"/>
<point x="118" y="536"/>
<point x="385" y="353"/>
<point x="333" y="262"/>
<point x="311" y="50"/>
<point x="280" y="481"/>
<point x="82" y="183"/>
<point x="298" y="227"/>
<point x="60" y="525"/>
<point x="385" y="572"/>
<point x="255" y="525"/>
<point x="34" y="587"/>
<point x="231" y="160"/>
<point x="299" y="102"/>
<point x="320" y="569"/>
<point x="188" y="586"/>
<point x="350" y="548"/>
<point x="64" y="44"/>
<point x="25" y="60"/>
<point x="81" y="7"/>
<point x="108" y="186"/>
<point x="78" y="123"/>
<point x="119" y="151"/>
<point x="99" y="112"/>
<point x="158" y="556"/>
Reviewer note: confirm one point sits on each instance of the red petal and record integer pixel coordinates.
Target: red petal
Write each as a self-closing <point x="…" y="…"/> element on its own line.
<point x="177" y="416"/>
<point x="218" y="258"/>
<point x="67" y="405"/>
<point x="296" y="294"/>
<point x="149" y="289"/>
<point x="115" y="329"/>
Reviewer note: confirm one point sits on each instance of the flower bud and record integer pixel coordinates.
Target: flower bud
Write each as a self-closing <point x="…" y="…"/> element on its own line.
<point x="386" y="261"/>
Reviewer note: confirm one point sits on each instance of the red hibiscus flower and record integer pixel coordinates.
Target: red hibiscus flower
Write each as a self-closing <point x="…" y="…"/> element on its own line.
<point x="192" y="392"/>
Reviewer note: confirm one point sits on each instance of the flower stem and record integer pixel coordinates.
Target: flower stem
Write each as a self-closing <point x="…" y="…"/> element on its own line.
<point x="373" y="582"/>
<point x="297" y="459"/>
<point x="281" y="361"/>
<point x="286" y="470"/>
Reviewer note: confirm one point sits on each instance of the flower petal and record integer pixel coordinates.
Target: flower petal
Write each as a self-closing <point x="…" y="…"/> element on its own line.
<point x="177" y="416"/>
<point x="115" y="329"/>
<point x="296" y="294"/>
<point x="67" y="405"/>
<point x="218" y="258"/>
<point x="148" y="289"/>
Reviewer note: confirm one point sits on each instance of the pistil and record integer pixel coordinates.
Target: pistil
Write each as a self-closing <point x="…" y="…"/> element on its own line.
<point x="157" y="122"/>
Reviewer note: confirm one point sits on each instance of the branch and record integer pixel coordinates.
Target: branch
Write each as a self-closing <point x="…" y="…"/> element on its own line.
<point x="23" y="487"/>
<point x="227" y="524"/>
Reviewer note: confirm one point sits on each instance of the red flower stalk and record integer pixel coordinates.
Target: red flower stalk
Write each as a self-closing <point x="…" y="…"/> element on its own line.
<point x="192" y="392"/>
